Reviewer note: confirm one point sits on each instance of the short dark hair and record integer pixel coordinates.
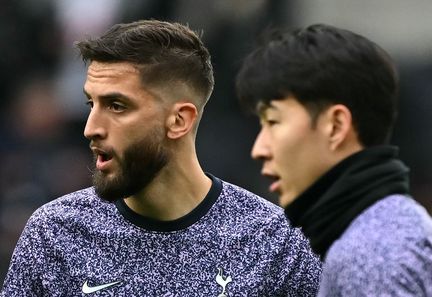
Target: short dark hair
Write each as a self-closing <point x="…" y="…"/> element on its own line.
<point x="322" y="65"/>
<point x="169" y="52"/>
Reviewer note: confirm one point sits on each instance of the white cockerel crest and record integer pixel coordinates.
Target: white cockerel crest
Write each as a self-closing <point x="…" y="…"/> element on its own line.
<point x="223" y="282"/>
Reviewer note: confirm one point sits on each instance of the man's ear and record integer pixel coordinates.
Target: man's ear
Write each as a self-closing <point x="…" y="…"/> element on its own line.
<point x="340" y="127"/>
<point x="181" y="119"/>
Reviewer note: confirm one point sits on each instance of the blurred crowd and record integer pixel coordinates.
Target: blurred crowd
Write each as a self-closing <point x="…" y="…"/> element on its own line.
<point x="43" y="153"/>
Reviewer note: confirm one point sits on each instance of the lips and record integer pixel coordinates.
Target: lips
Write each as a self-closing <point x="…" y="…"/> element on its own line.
<point x="102" y="162"/>
<point x="275" y="185"/>
<point x="103" y="158"/>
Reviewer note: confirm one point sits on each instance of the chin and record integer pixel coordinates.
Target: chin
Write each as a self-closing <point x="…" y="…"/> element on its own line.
<point x="285" y="200"/>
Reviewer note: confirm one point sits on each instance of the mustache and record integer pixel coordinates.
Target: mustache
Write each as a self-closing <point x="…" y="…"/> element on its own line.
<point x="98" y="149"/>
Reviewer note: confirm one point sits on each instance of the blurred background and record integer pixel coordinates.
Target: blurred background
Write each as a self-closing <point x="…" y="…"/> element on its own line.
<point x="43" y="153"/>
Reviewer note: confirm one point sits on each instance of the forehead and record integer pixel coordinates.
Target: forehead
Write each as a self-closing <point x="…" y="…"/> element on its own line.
<point x="118" y="77"/>
<point x="287" y="106"/>
<point x="101" y="70"/>
<point x="264" y="107"/>
<point x="121" y="77"/>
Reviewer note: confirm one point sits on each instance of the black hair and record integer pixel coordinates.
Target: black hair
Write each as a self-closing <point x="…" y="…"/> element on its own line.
<point x="322" y="65"/>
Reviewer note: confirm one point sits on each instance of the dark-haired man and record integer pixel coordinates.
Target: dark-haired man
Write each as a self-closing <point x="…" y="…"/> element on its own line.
<point x="326" y="98"/>
<point x="155" y="224"/>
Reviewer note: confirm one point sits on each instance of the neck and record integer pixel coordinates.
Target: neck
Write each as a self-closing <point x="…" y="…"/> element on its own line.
<point x="176" y="190"/>
<point x="328" y="206"/>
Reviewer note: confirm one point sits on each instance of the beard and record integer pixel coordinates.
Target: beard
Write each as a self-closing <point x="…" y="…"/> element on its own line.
<point x="141" y="163"/>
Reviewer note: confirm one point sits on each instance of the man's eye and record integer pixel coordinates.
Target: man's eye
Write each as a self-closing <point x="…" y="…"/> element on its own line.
<point x="90" y="104"/>
<point x="271" y="122"/>
<point x="116" y="107"/>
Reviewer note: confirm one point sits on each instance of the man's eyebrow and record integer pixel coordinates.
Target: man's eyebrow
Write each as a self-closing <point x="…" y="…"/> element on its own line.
<point x="109" y="96"/>
<point x="262" y="107"/>
<point x="270" y="105"/>
<point x="86" y="94"/>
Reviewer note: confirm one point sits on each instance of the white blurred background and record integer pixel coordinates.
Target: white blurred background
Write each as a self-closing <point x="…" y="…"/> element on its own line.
<point x="42" y="151"/>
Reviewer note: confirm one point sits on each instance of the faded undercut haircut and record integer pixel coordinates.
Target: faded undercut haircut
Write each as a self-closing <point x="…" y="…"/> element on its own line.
<point x="163" y="52"/>
<point x="319" y="66"/>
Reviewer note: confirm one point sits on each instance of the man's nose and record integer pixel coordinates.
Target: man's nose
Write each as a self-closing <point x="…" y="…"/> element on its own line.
<point x="260" y="149"/>
<point x="95" y="127"/>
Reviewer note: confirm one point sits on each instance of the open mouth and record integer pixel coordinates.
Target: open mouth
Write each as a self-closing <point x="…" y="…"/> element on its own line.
<point x="103" y="161"/>
<point x="102" y="158"/>
<point x="275" y="185"/>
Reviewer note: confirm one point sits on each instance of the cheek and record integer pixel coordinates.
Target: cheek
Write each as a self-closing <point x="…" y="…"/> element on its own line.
<point x="312" y="160"/>
<point x="289" y="144"/>
<point x="123" y="139"/>
<point x="297" y="153"/>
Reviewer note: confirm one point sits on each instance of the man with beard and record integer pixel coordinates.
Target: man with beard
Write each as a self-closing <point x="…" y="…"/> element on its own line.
<point x="326" y="98"/>
<point x="155" y="224"/>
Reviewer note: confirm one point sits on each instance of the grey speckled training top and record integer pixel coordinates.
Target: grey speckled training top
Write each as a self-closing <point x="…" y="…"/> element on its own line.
<point x="233" y="244"/>
<point x="386" y="251"/>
